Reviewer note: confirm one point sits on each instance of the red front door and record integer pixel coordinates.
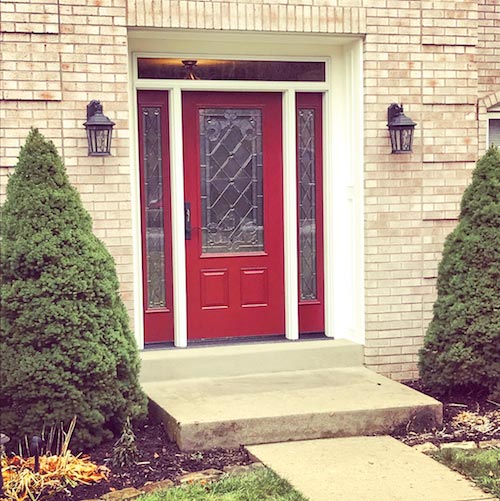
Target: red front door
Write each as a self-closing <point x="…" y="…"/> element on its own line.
<point x="234" y="214"/>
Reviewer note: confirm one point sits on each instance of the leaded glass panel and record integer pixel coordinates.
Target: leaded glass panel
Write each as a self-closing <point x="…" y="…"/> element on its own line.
<point x="153" y="200"/>
<point x="307" y="204"/>
<point x="231" y="180"/>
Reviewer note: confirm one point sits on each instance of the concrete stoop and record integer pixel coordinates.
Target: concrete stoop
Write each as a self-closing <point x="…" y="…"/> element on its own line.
<point x="259" y="404"/>
<point x="248" y="358"/>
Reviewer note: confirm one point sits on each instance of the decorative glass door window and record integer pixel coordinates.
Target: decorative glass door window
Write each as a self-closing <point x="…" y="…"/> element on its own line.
<point x="307" y="203"/>
<point x="231" y="180"/>
<point x="153" y="194"/>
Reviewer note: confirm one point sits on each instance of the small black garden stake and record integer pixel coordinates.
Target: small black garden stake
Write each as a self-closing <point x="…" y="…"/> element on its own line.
<point x="3" y="440"/>
<point x="35" y="446"/>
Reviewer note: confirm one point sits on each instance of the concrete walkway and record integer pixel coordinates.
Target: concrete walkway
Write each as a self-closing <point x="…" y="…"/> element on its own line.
<point x="364" y="469"/>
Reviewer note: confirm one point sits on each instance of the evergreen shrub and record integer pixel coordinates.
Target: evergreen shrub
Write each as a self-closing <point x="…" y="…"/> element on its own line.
<point x="462" y="344"/>
<point x="66" y="345"/>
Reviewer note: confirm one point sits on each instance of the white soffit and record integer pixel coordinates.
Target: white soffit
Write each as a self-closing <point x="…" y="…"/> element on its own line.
<point x="235" y="43"/>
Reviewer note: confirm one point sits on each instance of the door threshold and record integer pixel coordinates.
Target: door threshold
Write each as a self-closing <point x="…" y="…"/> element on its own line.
<point x="225" y="341"/>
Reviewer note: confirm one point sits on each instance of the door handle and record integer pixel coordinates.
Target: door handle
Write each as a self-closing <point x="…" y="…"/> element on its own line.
<point x="187" y="220"/>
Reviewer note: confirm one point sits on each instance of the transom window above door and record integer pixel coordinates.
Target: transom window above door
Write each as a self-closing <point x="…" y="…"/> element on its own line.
<point x="221" y="69"/>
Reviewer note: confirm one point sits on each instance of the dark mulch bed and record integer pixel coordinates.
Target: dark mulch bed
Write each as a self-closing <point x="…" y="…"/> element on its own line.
<point x="468" y="416"/>
<point x="158" y="459"/>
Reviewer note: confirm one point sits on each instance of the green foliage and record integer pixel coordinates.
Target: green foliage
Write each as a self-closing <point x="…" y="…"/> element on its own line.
<point x="481" y="465"/>
<point x="258" y="485"/>
<point x="462" y="344"/>
<point x="125" y="451"/>
<point x="66" y="346"/>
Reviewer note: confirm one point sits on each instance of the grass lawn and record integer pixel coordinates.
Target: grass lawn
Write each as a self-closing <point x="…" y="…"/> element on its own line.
<point x="480" y="465"/>
<point x="258" y="485"/>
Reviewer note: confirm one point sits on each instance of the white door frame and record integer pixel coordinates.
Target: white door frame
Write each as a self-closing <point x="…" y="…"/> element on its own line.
<point x="342" y="164"/>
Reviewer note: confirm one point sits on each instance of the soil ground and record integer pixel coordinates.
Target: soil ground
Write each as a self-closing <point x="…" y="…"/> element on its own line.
<point x="158" y="460"/>
<point x="466" y="417"/>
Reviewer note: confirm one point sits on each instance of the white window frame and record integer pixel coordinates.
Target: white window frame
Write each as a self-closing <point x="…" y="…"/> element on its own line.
<point x="493" y="114"/>
<point x="342" y="163"/>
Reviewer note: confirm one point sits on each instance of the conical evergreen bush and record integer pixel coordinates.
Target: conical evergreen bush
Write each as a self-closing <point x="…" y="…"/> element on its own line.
<point x="462" y="345"/>
<point x="66" y="346"/>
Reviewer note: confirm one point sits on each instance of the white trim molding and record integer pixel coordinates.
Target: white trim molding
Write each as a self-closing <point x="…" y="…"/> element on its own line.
<point x="290" y="217"/>
<point x="342" y="162"/>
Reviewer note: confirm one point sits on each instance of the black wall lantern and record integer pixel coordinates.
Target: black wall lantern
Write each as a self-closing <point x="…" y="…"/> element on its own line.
<point x="400" y="129"/>
<point x="99" y="129"/>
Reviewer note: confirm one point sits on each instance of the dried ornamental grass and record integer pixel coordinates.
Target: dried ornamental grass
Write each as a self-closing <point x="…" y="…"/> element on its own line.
<point x="56" y="472"/>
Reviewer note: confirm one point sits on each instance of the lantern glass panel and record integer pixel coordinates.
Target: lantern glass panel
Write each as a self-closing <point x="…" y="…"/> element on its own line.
<point x="406" y="139"/>
<point x="401" y="139"/>
<point x="99" y="139"/>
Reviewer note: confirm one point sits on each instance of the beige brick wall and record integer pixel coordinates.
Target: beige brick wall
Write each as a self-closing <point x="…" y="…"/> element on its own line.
<point x="57" y="55"/>
<point x="318" y="16"/>
<point x="440" y="58"/>
<point x="488" y="62"/>
<point x="489" y="47"/>
<point x="24" y="16"/>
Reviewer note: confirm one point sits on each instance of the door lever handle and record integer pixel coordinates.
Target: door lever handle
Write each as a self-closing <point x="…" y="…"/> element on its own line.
<point x="187" y="220"/>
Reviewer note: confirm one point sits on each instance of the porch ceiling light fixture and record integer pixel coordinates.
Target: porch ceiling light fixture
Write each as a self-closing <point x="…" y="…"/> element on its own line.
<point x="99" y="130"/>
<point x="400" y="129"/>
<point x="189" y="66"/>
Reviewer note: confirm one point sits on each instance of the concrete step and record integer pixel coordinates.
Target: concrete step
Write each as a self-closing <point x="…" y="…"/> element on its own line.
<point x="248" y="358"/>
<point x="365" y="469"/>
<point x="201" y="413"/>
